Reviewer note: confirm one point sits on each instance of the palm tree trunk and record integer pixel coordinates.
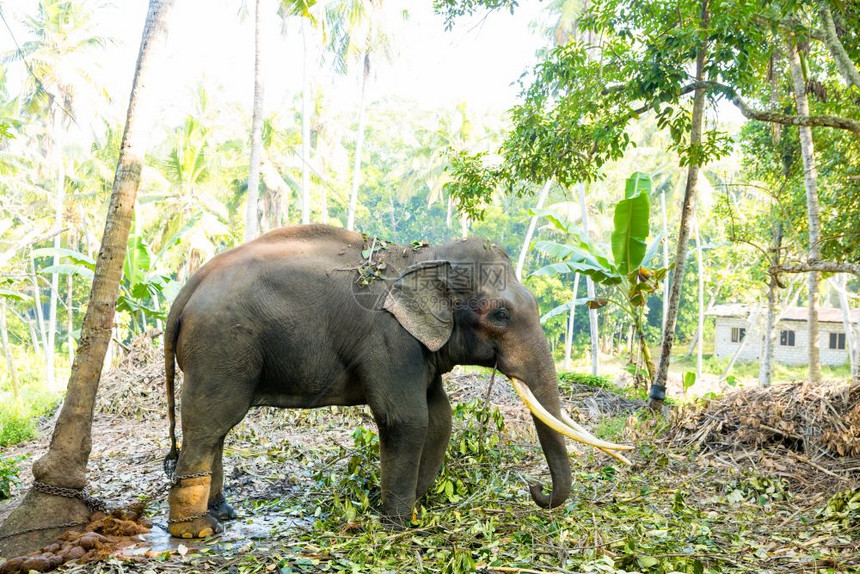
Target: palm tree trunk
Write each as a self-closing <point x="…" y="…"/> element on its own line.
<point x="839" y="285"/>
<point x="70" y="318"/>
<point x="65" y="463"/>
<point x="766" y="366"/>
<point x="251" y="209"/>
<point x="665" y="259"/>
<point x="700" y="328"/>
<point x="658" y="387"/>
<point x="40" y="323"/>
<point x="589" y="285"/>
<point x="568" y="341"/>
<point x="306" y="128"/>
<point x="810" y="178"/>
<point x="59" y="201"/>
<point x="7" y="350"/>
<point x="531" y="230"/>
<point x="359" y="143"/>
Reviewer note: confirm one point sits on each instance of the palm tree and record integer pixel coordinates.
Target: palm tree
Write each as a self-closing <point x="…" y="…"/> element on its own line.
<point x="361" y="30"/>
<point x="252" y="223"/>
<point x="810" y="180"/>
<point x="65" y="463"/>
<point x="63" y="34"/>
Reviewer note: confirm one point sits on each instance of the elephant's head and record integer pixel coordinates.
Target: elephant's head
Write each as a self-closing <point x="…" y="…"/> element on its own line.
<point x="465" y="304"/>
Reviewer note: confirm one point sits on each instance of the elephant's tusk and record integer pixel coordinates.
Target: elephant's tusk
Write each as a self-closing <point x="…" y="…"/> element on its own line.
<point x="565" y="418"/>
<point x="544" y="415"/>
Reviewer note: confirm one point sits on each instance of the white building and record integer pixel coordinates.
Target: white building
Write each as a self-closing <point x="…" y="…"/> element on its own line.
<point x="732" y="328"/>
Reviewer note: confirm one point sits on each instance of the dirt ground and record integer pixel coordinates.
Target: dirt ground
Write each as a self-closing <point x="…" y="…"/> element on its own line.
<point x="276" y="455"/>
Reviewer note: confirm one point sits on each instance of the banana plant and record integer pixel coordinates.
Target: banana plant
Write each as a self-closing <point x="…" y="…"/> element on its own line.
<point x="623" y="268"/>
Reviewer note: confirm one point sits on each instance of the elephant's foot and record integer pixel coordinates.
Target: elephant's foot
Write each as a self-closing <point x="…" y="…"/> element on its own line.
<point x="188" y="508"/>
<point x="197" y="527"/>
<point x="221" y="509"/>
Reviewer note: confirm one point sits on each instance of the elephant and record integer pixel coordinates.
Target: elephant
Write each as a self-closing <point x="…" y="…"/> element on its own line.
<point x="311" y="315"/>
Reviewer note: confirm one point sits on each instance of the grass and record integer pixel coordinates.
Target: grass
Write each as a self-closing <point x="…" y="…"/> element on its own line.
<point x="18" y="418"/>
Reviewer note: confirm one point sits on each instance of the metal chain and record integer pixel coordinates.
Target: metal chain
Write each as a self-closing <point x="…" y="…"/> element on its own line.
<point x="178" y="478"/>
<point x="187" y="518"/>
<point x="40" y="528"/>
<point x="93" y="503"/>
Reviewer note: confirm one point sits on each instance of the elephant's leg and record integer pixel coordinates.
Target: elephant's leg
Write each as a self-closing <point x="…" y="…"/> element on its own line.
<point x="438" y="434"/>
<point x="402" y="422"/>
<point x="218" y="505"/>
<point x="207" y="415"/>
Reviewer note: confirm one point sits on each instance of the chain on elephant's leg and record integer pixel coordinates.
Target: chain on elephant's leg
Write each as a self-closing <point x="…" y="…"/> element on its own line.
<point x="188" y="508"/>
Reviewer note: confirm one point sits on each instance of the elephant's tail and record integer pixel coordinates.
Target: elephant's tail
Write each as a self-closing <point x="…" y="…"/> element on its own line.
<point x="170" y="335"/>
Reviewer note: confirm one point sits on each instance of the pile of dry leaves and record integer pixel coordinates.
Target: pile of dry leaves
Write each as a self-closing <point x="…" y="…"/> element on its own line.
<point x="816" y="423"/>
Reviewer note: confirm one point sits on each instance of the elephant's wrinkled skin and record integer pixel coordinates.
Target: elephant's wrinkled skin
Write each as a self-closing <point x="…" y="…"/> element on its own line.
<point x="284" y="321"/>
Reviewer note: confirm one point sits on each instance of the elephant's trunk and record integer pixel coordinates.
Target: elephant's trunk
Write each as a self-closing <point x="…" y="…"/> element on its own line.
<point x="541" y="396"/>
<point x="545" y="389"/>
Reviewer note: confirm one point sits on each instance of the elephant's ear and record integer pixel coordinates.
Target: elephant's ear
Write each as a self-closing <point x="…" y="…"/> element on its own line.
<point x="420" y="301"/>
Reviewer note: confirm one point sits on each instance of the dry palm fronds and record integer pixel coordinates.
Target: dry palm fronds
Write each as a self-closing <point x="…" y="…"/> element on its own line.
<point x="817" y="419"/>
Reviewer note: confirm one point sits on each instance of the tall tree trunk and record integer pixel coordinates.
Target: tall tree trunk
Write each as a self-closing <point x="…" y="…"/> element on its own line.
<point x="839" y="285"/>
<point x="843" y="61"/>
<point x="359" y="143"/>
<point x="765" y="374"/>
<point x="531" y="230"/>
<point x="665" y="259"/>
<point x="306" y="127"/>
<point x="65" y="463"/>
<point x="252" y="218"/>
<point x="70" y="318"/>
<point x="40" y="323"/>
<point x="59" y="202"/>
<point x="658" y="387"/>
<point x="7" y="350"/>
<point x="568" y="341"/>
<point x="450" y="213"/>
<point x="810" y="179"/>
<point x="589" y="285"/>
<point x="700" y="325"/>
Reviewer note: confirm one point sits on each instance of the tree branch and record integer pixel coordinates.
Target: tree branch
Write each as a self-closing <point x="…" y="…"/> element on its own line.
<point x="818" y="266"/>
<point x="843" y="62"/>
<point x="751" y="113"/>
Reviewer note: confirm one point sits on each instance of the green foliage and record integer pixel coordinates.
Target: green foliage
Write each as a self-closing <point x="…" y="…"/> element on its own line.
<point x="9" y="474"/>
<point x="758" y="489"/>
<point x="18" y="418"/>
<point x="567" y="379"/>
<point x="843" y="508"/>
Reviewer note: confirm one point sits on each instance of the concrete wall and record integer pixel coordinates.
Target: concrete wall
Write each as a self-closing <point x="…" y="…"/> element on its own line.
<point x="796" y="355"/>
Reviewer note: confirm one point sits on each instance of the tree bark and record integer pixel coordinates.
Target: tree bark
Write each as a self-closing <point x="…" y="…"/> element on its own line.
<point x="844" y="64"/>
<point x="359" y="143"/>
<point x="252" y="218"/>
<point x="665" y="259"/>
<point x="568" y="341"/>
<point x="810" y="179"/>
<point x="306" y="128"/>
<point x="658" y="387"/>
<point x="65" y="463"/>
<point x="531" y="230"/>
<point x="700" y="325"/>
<point x="59" y="202"/>
<point x="765" y="374"/>
<point x="850" y="342"/>
<point x="820" y="266"/>
<point x="589" y="285"/>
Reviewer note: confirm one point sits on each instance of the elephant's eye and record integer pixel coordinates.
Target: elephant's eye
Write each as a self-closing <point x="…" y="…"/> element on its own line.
<point x="501" y="315"/>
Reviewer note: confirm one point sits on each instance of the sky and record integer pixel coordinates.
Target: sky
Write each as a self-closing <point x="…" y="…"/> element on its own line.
<point x="477" y="62"/>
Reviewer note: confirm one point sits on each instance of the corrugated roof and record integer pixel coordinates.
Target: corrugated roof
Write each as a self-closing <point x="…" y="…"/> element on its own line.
<point x="825" y="314"/>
